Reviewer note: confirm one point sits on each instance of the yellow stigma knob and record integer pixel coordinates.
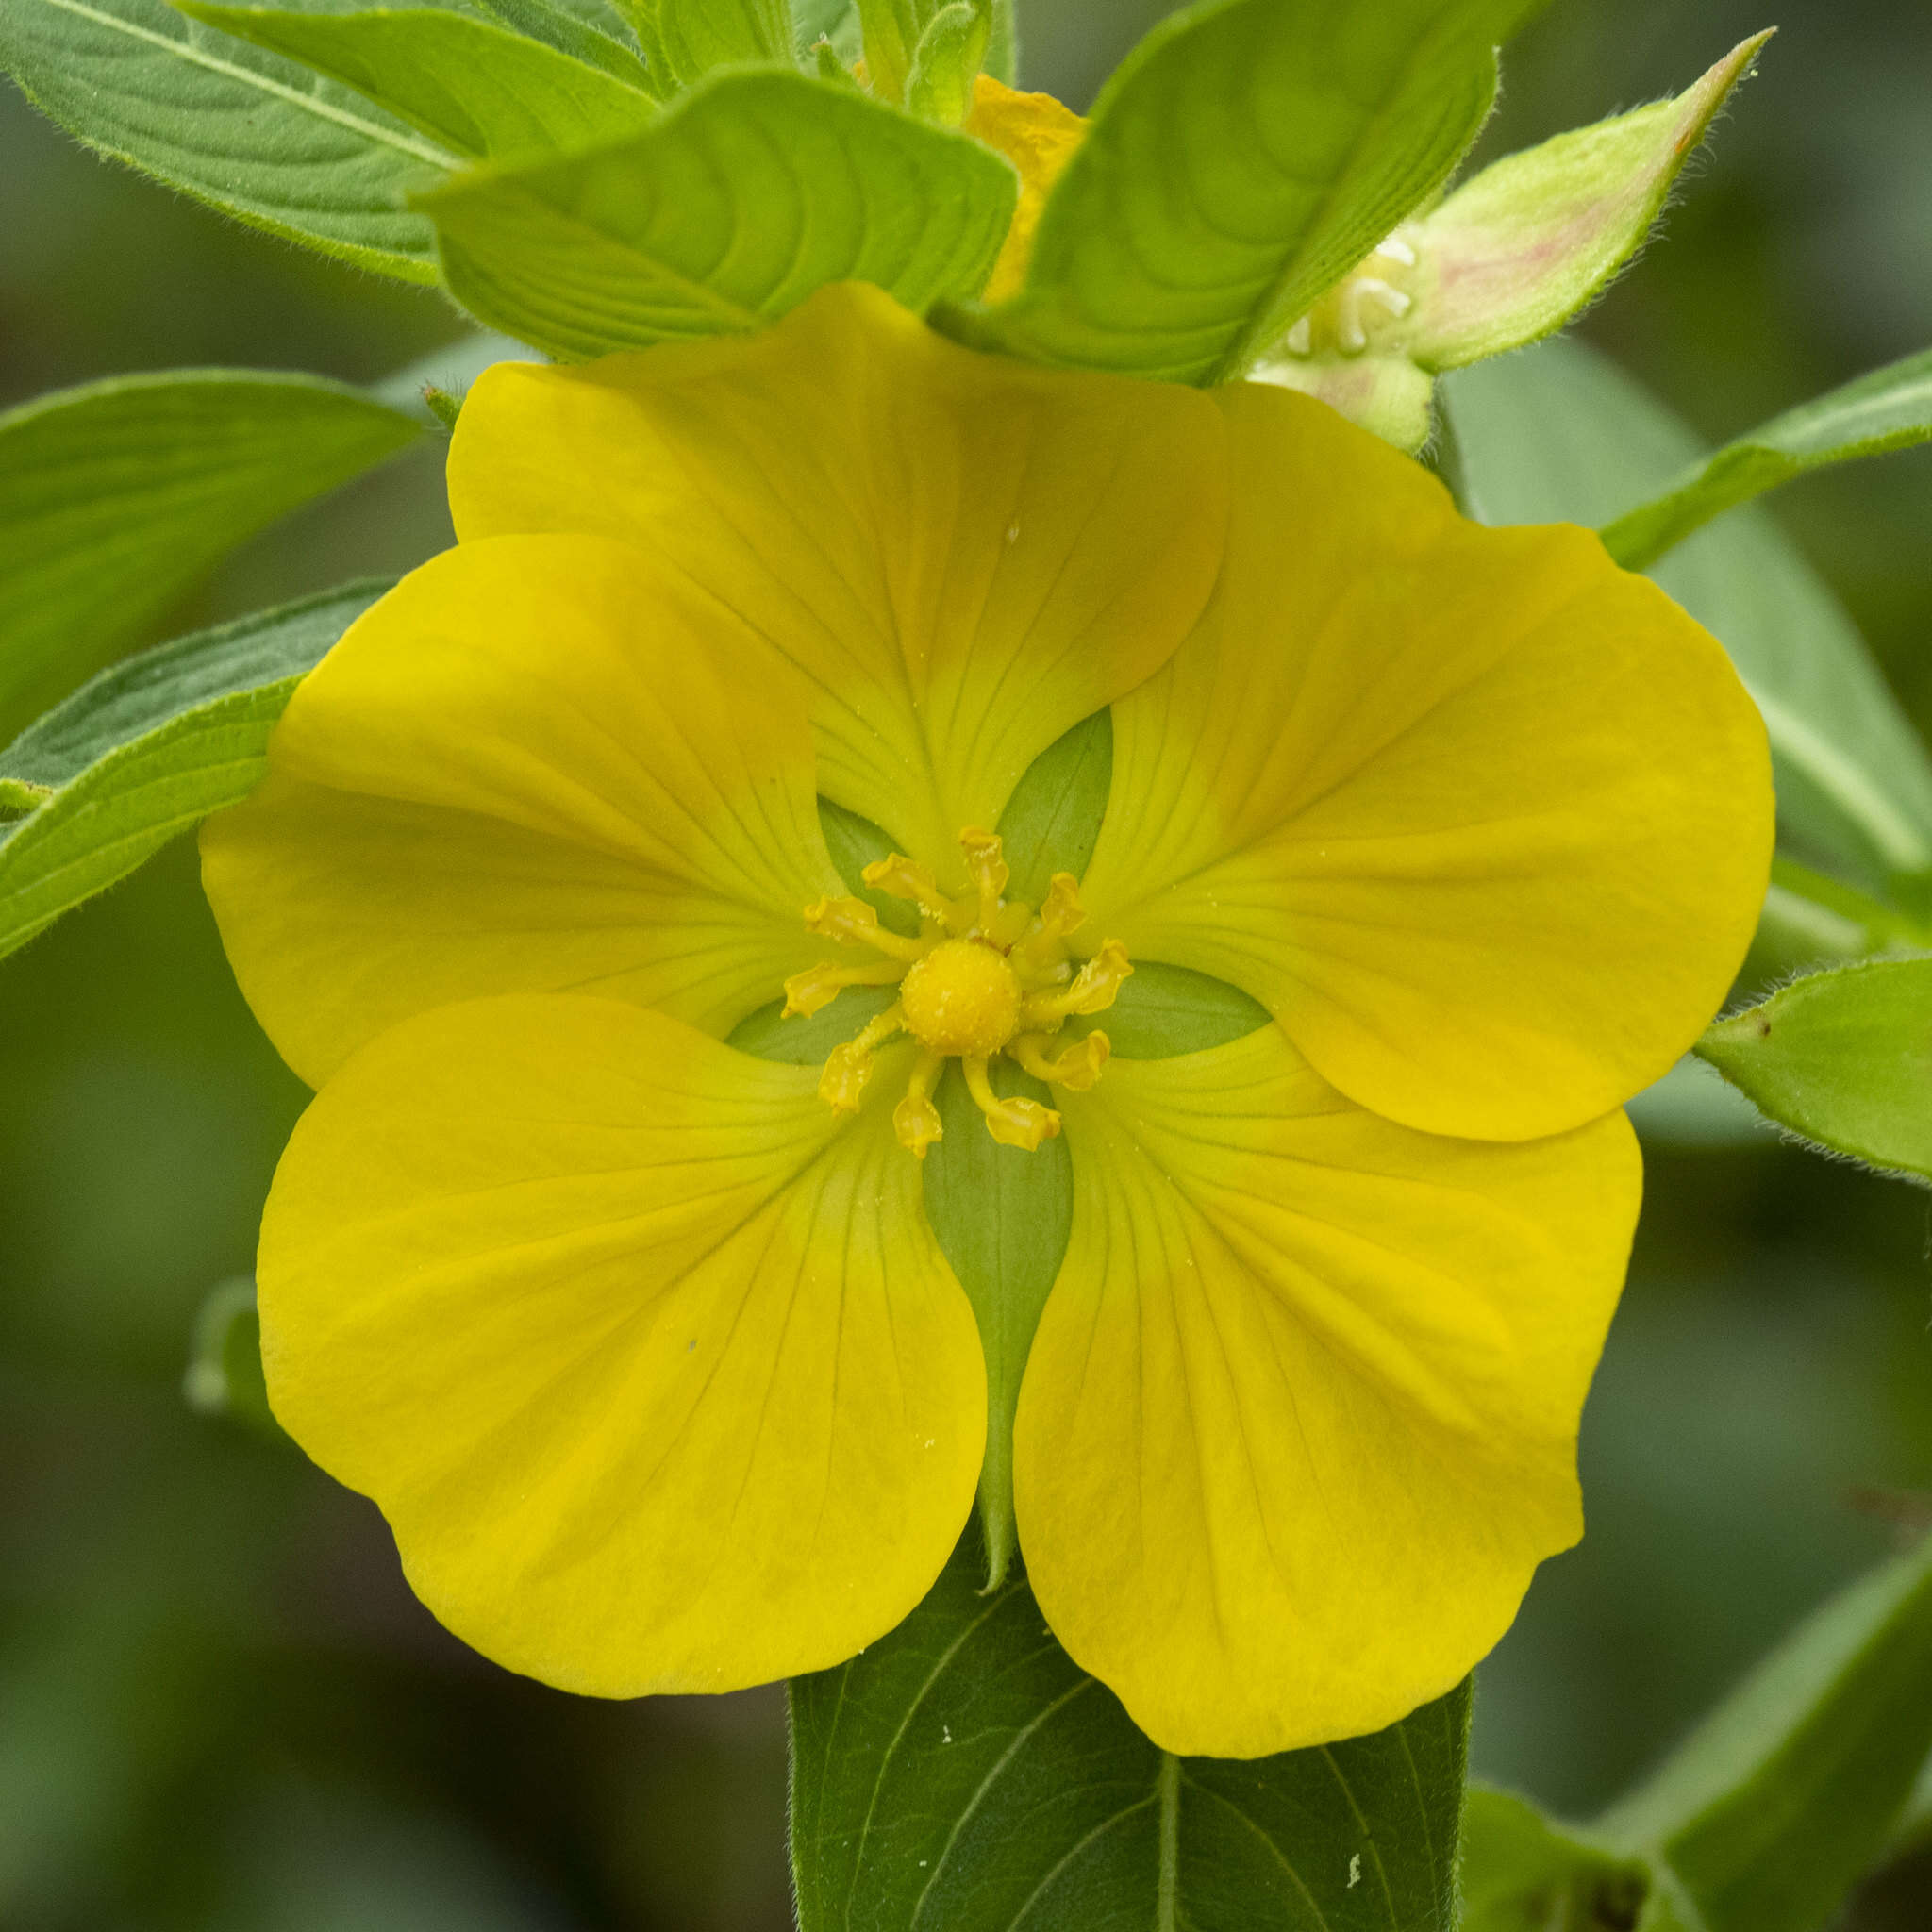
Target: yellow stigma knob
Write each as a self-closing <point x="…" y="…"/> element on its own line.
<point x="961" y="998"/>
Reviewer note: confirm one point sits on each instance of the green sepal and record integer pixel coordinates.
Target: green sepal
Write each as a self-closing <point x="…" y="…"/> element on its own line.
<point x="1052" y="822"/>
<point x="479" y="89"/>
<point x="750" y="192"/>
<point x="947" y="61"/>
<point x="1890" y="409"/>
<point x="855" y="842"/>
<point x="1842" y="1057"/>
<point x="148" y="749"/>
<point x="963" y="1774"/>
<point x="247" y="132"/>
<point x="116" y="498"/>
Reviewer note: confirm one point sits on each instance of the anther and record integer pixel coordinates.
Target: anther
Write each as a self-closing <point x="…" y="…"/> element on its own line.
<point x="1076" y="1069"/>
<point x="1094" y="988"/>
<point x="849" y="1066"/>
<point x="854" y="920"/>
<point x="1015" y="1122"/>
<point x="904" y="879"/>
<point x="916" y="1120"/>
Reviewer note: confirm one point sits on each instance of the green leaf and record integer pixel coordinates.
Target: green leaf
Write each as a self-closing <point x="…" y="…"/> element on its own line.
<point x="1890" y="409"/>
<point x="1001" y="1217"/>
<point x="752" y="190"/>
<point x="1767" y="1815"/>
<point x="594" y="41"/>
<point x="683" y="40"/>
<point x="224" y="1375"/>
<point x="1844" y="1058"/>
<point x="1243" y="159"/>
<point x="1559" y="434"/>
<point x="1052" y="822"/>
<point x="1523" y="1874"/>
<point x="478" y="89"/>
<point x="247" y="132"/>
<point x="147" y="749"/>
<point x="963" y="1774"/>
<point x="115" y="498"/>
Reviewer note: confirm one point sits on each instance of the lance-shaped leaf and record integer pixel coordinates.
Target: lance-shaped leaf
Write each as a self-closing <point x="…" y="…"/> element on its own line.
<point x="116" y="497"/>
<point x="1769" y="1813"/>
<point x="752" y="190"/>
<point x="246" y="131"/>
<point x="1559" y="434"/>
<point x="1890" y="409"/>
<point x="1844" y="1058"/>
<point x="1245" y="157"/>
<point x="146" y="750"/>
<point x="683" y="40"/>
<point x="478" y="89"/>
<point x="963" y="1774"/>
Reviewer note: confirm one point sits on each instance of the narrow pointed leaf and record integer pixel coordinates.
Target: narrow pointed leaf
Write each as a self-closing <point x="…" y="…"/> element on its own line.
<point x="1844" y="1058"/>
<point x="963" y="1774"/>
<point x="246" y="131"/>
<point x="1558" y="434"/>
<point x="752" y="190"/>
<point x="1769" y="1812"/>
<point x="478" y="89"/>
<point x="148" y="749"/>
<point x="1245" y="156"/>
<point x="1890" y="409"/>
<point x="115" y="498"/>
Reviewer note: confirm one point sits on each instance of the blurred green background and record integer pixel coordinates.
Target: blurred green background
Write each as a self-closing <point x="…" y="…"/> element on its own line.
<point x="221" y="1709"/>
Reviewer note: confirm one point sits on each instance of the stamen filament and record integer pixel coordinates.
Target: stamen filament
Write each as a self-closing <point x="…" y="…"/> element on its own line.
<point x="1014" y="1123"/>
<point x="916" y="1120"/>
<point x="848" y="1066"/>
<point x="817" y="987"/>
<point x="1076" y="1069"/>
<point x="1093" y="989"/>
<point x="854" y="920"/>
<point x="987" y="867"/>
<point x="905" y="879"/>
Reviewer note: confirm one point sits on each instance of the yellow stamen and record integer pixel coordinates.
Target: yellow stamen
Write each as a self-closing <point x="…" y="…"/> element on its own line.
<point x="854" y="920"/>
<point x="916" y="1120"/>
<point x="1060" y="911"/>
<point x="1076" y="1069"/>
<point x="1014" y="1123"/>
<point x="817" y="987"/>
<point x="848" y="1068"/>
<point x="987" y="868"/>
<point x="1093" y="989"/>
<point x="904" y="879"/>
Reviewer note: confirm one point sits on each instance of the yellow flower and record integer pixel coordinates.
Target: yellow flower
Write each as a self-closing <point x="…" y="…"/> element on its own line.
<point x="647" y="1352"/>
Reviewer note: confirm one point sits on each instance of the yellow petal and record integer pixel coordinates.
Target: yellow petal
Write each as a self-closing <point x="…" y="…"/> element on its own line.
<point x="653" y="1366"/>
<point x="1484" y="821"/>
<point x="965" y="556"/>
<point x="1300" y="1417"/>
<point x="1038" y="136"/>
<point x="537" y="765"/>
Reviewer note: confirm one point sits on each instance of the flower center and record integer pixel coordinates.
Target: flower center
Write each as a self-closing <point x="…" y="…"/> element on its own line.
<point x="987" y="976"/>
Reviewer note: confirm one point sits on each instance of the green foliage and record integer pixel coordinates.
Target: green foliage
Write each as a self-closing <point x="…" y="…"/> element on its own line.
<point x="478" y="89"/>
<point x="1890" y="409"/>
<point x="1245" y="157"/>
<point x="146" y="750"/>
<point x="117" y="497"/>
<point x="1844" y="1058"/>
<point x="752" y="190"/>
<point x="593" y="42"/>
<point x="1558" y="434"/>
<point x="946" y="63"/>
<point x="963" y="1774"/>
<point x="683" y="40"/>
<point x="1765" y="1817"/>
<point x="246" y="131"/>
